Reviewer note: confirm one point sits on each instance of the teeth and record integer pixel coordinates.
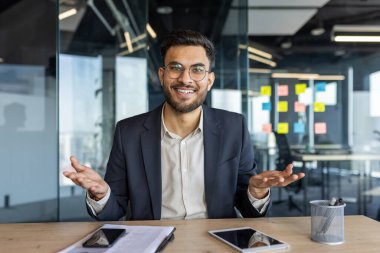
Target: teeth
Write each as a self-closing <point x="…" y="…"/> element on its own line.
<point x="185" y="91"/>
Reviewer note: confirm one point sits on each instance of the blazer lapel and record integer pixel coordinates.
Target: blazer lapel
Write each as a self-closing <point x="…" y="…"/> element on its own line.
<point x="151" y="151"/>
<point x="212" y="140"/>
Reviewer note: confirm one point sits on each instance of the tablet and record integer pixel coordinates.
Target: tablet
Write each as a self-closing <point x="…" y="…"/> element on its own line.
<point x="246" y="239"/>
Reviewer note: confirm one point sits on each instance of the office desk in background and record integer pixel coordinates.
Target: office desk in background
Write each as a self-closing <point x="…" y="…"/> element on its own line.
<point x="364" y="172"/>
<point x="361" y="234"/>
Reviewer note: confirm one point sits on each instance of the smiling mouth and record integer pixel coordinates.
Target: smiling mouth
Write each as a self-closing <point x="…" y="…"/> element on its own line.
<point x="184" y="91"/>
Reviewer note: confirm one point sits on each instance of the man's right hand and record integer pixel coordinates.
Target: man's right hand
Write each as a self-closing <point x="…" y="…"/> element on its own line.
<point x="88" y="179"/>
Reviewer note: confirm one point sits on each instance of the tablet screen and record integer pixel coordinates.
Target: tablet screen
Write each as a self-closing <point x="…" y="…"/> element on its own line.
<point x="247" y="238"/>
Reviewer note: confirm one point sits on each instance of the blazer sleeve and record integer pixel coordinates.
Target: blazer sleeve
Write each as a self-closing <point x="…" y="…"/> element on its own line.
<point x="116" y="177"/>
<point x="247" y="168"/>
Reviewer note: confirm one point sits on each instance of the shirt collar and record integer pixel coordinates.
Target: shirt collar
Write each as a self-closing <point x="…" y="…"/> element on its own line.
<point x="164" y="130"/>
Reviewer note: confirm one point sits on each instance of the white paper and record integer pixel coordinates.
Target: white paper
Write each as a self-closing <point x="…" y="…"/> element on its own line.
<point x="137" y="239"/>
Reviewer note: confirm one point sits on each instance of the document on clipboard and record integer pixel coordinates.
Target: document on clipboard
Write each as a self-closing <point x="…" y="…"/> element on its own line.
<point x="139" y="239"/>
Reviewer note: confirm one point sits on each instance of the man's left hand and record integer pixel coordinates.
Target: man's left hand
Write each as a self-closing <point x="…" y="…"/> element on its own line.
<point x="259" y="184"/>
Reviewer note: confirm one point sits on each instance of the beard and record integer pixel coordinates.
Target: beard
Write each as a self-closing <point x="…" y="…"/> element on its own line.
<point x="182" y="107"/>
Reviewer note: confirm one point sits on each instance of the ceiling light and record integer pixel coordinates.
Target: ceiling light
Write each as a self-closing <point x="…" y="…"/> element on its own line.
<point x="262" y="60"/>
<point x="357" y="38"/>
<point x="330" y="77"/>
<point x="259" y="71"/>
<point x="286" y="44"/>
<point x="295" y="75"/>
<point x="259" y="52"/>
<point x="241" y="46"/>
<point x="308" y="76"/>
<point x="67" y="14"/>
<point x="164" y="10"/>
<point x="151" y="32"/>
<point x="256" y="51"/>
<point x="317" y="31"/>
<point x="134" y="40"/>
<point x="126" y="52"/>
<point x="355" y="33"/>
<point x="128" y="41"/>
<point x="339" y="52"/>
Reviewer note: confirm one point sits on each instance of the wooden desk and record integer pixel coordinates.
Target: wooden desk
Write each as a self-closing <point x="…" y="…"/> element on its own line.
<point x="364" y="172"/>
<point x="361" y="234"/>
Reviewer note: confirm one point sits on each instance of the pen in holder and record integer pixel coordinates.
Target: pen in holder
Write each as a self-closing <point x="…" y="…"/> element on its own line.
<point x="327" y="221"/>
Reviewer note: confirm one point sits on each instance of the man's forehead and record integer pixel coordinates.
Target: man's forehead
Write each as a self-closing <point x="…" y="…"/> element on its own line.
<point x="186" y="55"/>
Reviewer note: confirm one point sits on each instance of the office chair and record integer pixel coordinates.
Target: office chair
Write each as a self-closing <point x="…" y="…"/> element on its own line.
<point x="284" y="158"/>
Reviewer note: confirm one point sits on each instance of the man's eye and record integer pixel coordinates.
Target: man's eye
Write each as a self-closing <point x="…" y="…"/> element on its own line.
<point x="198" y="69"/>
<point x="176" y="67"/>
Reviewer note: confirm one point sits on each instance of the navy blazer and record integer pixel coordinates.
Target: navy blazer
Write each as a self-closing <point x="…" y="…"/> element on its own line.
<point x="134" y="167"/>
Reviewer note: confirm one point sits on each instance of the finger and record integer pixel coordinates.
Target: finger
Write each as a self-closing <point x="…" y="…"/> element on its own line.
<point x="76" y="165"/>
<point x="292" y="179"/>
<point x="66" y="173"/>
<point x="276" y="181"/>
<point x="73" y="176"/>
<point x="86" y="183"/>
<point x="288" y="170"/>
<point x="301" y="175"/>
<point x="268" y="174"/>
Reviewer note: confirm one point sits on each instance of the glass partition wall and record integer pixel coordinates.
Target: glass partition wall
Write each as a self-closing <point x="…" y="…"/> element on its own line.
<point x="314" y="94"/>
<point x="102" y="66"/>
<point x="28" y="111"/>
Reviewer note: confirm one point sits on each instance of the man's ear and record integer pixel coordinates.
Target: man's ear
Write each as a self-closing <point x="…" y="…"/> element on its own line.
<point x="160" y="73"/>
<point x="210" y="80"/>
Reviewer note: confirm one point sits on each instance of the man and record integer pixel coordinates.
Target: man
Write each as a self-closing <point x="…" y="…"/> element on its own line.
<point x="182" y="160"/>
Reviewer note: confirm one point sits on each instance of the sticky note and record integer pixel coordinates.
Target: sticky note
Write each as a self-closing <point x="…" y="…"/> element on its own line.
<point x="320" y="128"/>
<point x="267" y="128"/>
<point x="266" y="90"/>
<point x="282" y="106"/>
<point x="320" y="86"/>
<point x="319" y="107"/>
<point x="299" y="107"/>
<point x="283" y="90"/>
<point x="299" y="127"/>
<point x="266" y="106"/>
<point x="283" y="128"/>
<point x="300" y="88"/>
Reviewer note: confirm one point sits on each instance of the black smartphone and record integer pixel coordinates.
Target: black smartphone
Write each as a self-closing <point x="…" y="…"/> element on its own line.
<point x="104" y="238"/>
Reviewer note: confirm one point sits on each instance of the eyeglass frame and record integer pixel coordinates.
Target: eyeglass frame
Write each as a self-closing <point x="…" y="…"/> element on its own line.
<point x="197" y="64"/>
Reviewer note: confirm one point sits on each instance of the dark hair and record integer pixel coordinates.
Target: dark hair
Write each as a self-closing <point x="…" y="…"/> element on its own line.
<point x="188" y="38"/>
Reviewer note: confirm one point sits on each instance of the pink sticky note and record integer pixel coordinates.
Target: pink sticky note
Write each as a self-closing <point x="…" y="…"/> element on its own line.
<point x="283" y="90"/>
<point x="320" y="128"/>
<point x="267" y="128"/>
<point x="299" y="107"/>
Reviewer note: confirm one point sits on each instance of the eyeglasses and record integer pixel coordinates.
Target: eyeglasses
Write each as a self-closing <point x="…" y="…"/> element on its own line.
<point x="196" y="72"/>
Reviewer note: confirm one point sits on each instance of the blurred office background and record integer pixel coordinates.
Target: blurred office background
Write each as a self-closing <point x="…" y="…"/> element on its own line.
<point x="305" y="73"/>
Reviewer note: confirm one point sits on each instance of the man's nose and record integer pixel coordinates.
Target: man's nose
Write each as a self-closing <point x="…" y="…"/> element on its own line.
<point x="185" y="77"/>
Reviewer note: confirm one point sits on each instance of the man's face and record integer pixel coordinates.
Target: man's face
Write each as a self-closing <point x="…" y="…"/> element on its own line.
<point x="184" y="94"/>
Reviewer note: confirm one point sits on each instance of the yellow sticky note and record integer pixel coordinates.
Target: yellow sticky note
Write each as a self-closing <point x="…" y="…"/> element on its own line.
<point x="300" y="88"/>
<point x="319" y="107"/>
<point x="283" y="128"/>
<point x="266" y="90"/>
<point x="282" y="106"/>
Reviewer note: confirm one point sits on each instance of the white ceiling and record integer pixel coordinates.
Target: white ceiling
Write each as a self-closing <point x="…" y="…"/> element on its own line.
<point x="274" y="17"/>
<point x="277" y="22"/>
<point x="287" y="3"/>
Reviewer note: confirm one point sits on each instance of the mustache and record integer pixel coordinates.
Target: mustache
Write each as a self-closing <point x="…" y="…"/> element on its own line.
<point x="177" y="86"/>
